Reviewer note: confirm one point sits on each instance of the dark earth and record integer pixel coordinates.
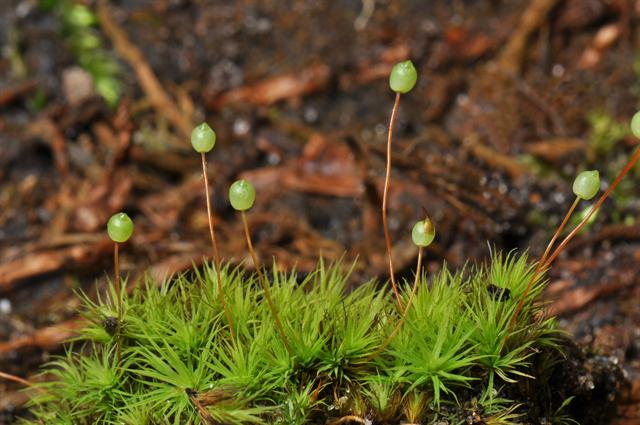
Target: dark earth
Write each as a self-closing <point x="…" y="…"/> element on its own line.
<point x="513" y="99"/>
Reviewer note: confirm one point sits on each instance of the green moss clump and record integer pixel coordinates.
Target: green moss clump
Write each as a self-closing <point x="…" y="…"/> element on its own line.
<point x="78" y="26"/>
<point x="180" y="364"/>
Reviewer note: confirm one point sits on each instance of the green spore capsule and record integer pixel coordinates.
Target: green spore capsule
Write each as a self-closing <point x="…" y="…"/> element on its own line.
<point x="242" y="195"/>
<point x="423" y="233"/>
<point x="120" y="227"/>
<point x="587" y="184"/>
<point x="203" y="138"/>
<point x="635" y="124"/>
<point x="403" y="77"/>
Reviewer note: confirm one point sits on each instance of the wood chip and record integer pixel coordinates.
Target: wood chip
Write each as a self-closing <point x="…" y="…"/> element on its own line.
<point x="555" y="149"/>
<point x="45" y="338"/>
<point x="274" y="89"/>
<point x="49" y="261"/>
<point x="512" y="57"/>
<point x="11" y="94"/>
<point x="493" y="158"/>
<point x="604" y="38"/>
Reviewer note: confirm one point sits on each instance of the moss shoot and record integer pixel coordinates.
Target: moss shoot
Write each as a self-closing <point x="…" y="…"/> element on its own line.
<point x="181" y="365"/>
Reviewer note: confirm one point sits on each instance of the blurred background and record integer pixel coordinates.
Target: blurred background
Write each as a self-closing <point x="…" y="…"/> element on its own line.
<point x="514" y="98"/>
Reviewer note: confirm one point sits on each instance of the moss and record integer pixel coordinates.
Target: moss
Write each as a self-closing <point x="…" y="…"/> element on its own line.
<point x="181" y="365"/>
<point x="78" y="24"/>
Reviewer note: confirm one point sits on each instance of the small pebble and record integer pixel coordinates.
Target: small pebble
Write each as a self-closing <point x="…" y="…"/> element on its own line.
<point x="241" y="127"/>
<point x="77" y="85"/>
<point x="5" y="306"/>
<point x="557" y="70"/>
<point x="311" y="114"/>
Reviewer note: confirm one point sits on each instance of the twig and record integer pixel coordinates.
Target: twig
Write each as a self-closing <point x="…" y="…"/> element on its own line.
<point x="577" y="298"/>
<point x="10" y="94"/>
<point x="368" y="7"/>
<point x="274" y="89"/>
<point x="15" y="378"/>
<point x="510" y="61"/>
<point x="44" y="338"/>
<point x="555" y="149"/>
<point x="52" y="260"/>
<point x="493" y="158"/>
<point x="347" y="419"/>
<point x="160" y="100"/>
<point x="610" y="232"/>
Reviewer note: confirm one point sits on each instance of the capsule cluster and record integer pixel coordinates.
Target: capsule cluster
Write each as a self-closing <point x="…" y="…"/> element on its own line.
<point x="242" y="193"/>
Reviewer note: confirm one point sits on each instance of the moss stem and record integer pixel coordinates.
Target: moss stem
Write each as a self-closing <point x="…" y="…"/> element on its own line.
<point x="263" y="282"/>
<point x="540" y="265"/>
<point x="403" y="318"/>
<point x="558" y="231"/>
<point x="594" y="209"/>
<point x="544" y="264"/>
<point x="116" y="267"/>
<point x="385" y="193"/>
<point x="214" y="249"/>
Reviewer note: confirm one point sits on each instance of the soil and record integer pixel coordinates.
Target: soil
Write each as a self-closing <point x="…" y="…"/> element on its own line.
<point x="513" y="99"/>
